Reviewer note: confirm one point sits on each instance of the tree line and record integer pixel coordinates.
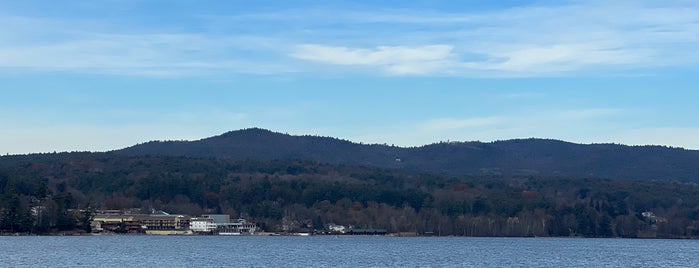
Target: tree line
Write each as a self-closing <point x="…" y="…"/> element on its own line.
<point x="54" y="195"/>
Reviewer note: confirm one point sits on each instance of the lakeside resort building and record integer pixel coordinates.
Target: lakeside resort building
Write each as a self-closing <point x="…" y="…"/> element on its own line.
<point x="163" y="223"/>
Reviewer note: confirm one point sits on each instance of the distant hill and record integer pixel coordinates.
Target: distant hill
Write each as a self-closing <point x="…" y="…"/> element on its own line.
<point x="529" y="187"/>
<point x="521" y="157"/>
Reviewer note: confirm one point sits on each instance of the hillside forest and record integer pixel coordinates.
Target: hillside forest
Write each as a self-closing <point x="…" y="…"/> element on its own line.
<point x="50" y="193"/>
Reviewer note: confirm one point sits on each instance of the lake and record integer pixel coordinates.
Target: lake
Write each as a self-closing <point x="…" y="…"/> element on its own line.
<point x="342" y="251"/>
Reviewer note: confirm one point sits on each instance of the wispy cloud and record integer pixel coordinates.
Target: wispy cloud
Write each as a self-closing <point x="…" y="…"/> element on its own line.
<point x="559" y="58"/>
<point x="397" y="60"/>
<point x="86" y="46"/>
<point x="558" y="39"/>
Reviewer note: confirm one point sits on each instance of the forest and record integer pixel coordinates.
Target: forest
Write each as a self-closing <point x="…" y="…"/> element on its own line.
<point x="58" y="192"/>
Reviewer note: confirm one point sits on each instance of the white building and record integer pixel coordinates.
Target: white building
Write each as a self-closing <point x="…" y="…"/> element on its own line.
<point x="237" y="227"/>
<point x="337" y="228"/>
<point x="202" y="225"/>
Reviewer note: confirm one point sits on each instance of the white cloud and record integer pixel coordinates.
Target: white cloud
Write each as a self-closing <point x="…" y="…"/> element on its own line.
<point x="139" y="54"/>
<point x="562" y="38"/>
<point x="397" y="60"/>
<point x="558" y="40"/>
<point x="559" y="58"/>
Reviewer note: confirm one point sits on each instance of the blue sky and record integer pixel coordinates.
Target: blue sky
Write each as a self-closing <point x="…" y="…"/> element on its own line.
<point x="102" y="75"/>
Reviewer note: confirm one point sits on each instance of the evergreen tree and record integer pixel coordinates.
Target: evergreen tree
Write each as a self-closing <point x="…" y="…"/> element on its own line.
<point x="15" y="216"/>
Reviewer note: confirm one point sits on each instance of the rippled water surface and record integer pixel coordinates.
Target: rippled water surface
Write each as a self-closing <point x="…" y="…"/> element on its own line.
<point x="343" y="251"/>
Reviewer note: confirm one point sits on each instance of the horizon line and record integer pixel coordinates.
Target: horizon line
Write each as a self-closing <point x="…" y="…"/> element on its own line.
<point x="353" y="142"/>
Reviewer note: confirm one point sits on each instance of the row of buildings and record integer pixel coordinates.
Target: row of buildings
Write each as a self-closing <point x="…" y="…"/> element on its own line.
<point x="162" y="223"/>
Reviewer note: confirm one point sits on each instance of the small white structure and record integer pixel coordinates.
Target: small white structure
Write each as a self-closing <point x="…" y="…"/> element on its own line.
<point x="652" y="217"/>
<point x="237" y="227"/>
<point x="337" y="228"/>
<point x="202" y="225"/>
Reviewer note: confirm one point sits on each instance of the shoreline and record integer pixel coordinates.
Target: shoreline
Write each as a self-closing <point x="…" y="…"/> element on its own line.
<point x="329" y="235"/>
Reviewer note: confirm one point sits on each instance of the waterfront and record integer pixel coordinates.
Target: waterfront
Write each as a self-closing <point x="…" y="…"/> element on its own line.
<point x="343" y="251"/>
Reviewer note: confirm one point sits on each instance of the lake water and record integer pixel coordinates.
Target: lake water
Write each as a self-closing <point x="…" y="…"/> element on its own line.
<point x="342" y="251"/>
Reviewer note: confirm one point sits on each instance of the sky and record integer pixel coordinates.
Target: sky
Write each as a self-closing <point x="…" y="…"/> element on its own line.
<point x="106" y="74"/>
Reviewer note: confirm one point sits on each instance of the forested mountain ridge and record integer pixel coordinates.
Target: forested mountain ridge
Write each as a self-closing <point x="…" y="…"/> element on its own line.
<point x="541" y="157"/>
<point x="530" y="187"/>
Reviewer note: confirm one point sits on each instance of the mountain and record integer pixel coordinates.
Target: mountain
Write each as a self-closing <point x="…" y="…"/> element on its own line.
<point x="520" y="157"/>
<point x="526" y="187"/>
